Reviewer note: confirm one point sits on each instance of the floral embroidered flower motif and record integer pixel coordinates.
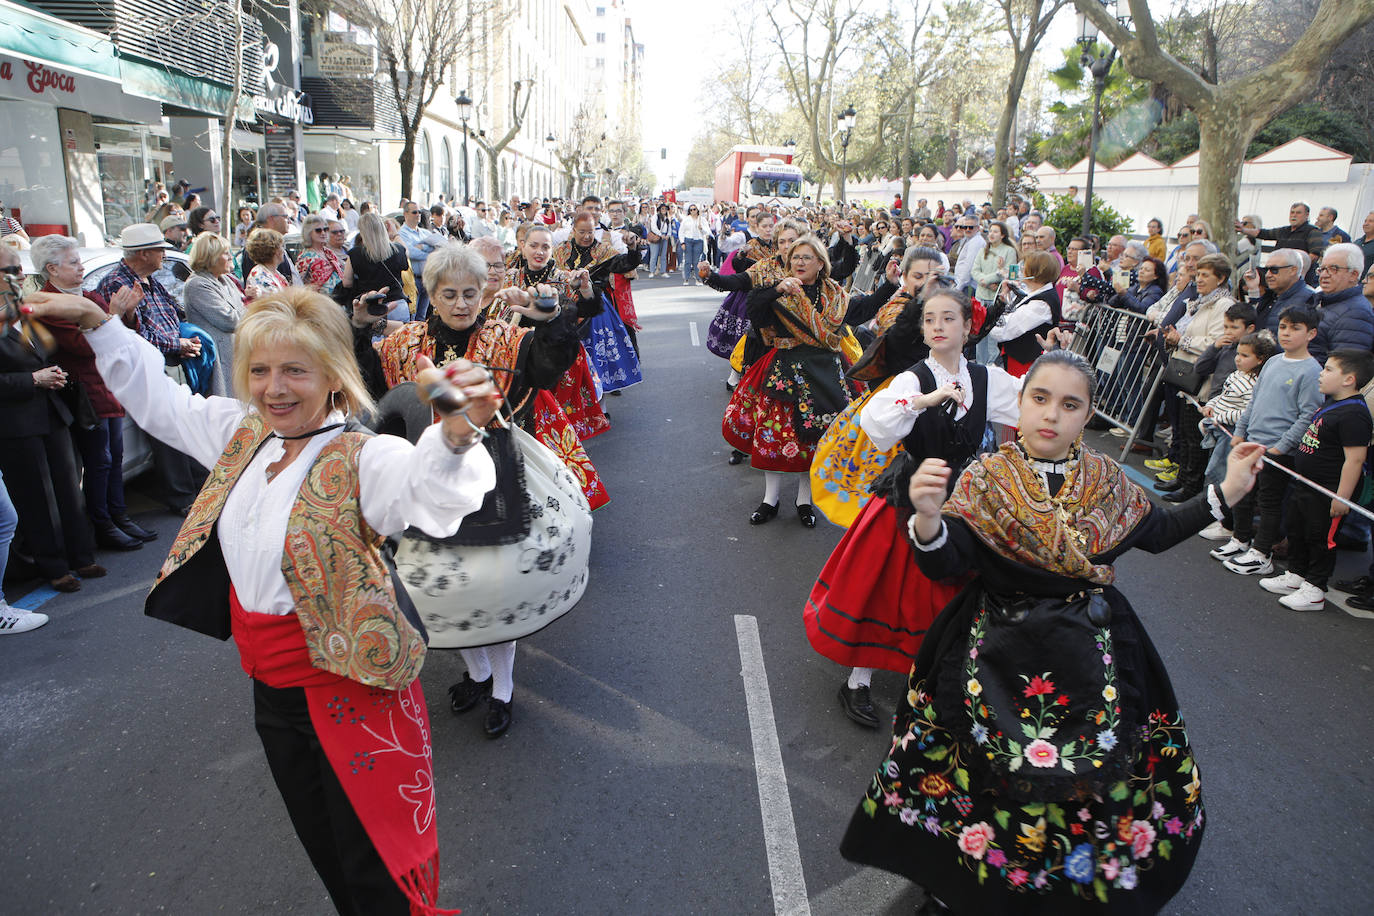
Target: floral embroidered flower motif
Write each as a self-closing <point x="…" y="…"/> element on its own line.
<point x="1079" y="865"/>
<point x="1039" y="686"/>
<point x="974" y="839"/>
<point x="1041" y="753"/>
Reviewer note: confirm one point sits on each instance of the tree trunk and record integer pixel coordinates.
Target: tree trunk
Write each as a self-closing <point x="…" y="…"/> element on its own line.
<point x="1004" y="153"/>
<point x="407" y="163"/>
<point x="952" y="150"/>
<point x="1224" y="134"/>
<point x="227" y="211"/>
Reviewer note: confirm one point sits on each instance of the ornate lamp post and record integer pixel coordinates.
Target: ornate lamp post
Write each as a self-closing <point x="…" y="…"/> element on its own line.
<point x="846" y="124"/>
<point x="464" y="112"/>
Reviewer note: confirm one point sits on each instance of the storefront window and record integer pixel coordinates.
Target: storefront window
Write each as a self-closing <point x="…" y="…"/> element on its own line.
<point x="338" y="154"/>
<point x="245" y="183"/>
<point x="131" y="157"/>
<point x="423" y="182"/>
<point x="33" y="182"/>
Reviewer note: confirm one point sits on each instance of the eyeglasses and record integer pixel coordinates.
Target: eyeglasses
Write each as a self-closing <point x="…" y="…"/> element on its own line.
<point x="1330" y="269"/>
<point x="338" y="232"/>
<point x="13" y="270"/>
<point x="212" y="219"/>
<point x="319" y="229"/>
<point x="803" y="258"/>
<point x="495" y="265"/>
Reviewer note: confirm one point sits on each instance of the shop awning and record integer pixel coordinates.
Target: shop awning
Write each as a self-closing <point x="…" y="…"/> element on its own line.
<point x="32" y="34"/>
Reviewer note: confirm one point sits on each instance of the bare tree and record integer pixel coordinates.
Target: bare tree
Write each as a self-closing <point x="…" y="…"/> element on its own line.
<point x="1230" y="113"/>
<point x="418" y="43"/>
<point x="1026" y="22"/>
<point x="811" y="37"/>
<point x="493" y="145"/>
<point x="738" y="93"/>
<point x="574" y="149"/>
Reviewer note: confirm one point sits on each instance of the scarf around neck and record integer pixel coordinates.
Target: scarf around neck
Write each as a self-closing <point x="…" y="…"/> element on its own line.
<point x="1006" y="502"/>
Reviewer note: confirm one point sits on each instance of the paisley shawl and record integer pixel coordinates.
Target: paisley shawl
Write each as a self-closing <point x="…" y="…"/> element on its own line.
<point x="1004" y="501"/>
<point x="813" y="325"/>
<point x="887" y="315"/>
<point x="767" y="272"/>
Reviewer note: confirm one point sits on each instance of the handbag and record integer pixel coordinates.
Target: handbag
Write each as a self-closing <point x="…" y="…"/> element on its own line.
<point x="1183" y="375"/>
<point x="477" y="595"/>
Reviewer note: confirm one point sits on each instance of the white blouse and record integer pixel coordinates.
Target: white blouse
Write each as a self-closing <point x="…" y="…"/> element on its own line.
<point x="1024" y="316"/>
<point x="888" y="416"/>
<point x="423" y="485"/>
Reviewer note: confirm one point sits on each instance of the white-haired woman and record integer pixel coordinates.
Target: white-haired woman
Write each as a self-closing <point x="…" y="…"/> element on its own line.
<point x="282" y="550"/>
<point x="100" y="438"/>
<point x="214" y="303"/>
<point x="319" y="264"/>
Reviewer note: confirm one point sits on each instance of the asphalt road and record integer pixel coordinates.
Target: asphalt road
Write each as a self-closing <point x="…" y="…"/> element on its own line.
<point x="131" y="780"/>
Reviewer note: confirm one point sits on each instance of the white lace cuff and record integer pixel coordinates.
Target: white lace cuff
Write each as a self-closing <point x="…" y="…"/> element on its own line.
<point x="929" y="545"/>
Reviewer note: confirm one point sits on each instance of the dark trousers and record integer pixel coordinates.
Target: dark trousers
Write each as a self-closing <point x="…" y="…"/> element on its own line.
<point x="712" y="252"/>
<point x="181" y="475"/>
<point x="102" y="467"/>
<point x="1171" y="413"/>
<point x="421" y="298"/>
<point x="325" y="821"/>
<point x="1310" y="529"/>
<point x="1192" y="459"/>
<point x="1266" y="497"/>
<point x="40" y="474"/>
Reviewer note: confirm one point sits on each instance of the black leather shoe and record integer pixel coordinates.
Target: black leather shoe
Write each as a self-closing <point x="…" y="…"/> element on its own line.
<point x="1361" y="602"/>
<point x="498" y="718"/>
<point x="1169" y="487"/>
<point x="858" y="705"/>
<point x="763" y="514"/>
<point x="467" y="693"/>
<point x="134" y="529"/>
<point x="807" y="513"/>
<point x="1363" y="586"/>
<point x="110" y="537"/>
<point x="736" y="456"/>
<point x="1178" y="496"/>
<point x="729" y="387"/>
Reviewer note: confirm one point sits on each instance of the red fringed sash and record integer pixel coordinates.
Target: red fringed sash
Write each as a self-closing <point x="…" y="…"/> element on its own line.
<point x="377" y="741"/>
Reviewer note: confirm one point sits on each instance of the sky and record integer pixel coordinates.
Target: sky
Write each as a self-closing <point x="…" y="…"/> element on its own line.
<point x="682" y="50"/>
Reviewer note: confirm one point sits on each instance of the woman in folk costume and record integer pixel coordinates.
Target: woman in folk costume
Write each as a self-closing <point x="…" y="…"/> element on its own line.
<point x="283" y="550"/>
<point x="870" y="608"/>
<point x="612" y="353"/>
<point x="731" y="321"/>
<point x="1039" y="762"/>
<point x="846" y="462"/>
<point x="793" y="391"/>
<point x="579" y="391"/>
<point x="525" y="363"/>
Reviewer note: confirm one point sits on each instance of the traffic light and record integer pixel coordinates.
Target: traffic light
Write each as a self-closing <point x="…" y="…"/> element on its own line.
<point x="663" y="152"/>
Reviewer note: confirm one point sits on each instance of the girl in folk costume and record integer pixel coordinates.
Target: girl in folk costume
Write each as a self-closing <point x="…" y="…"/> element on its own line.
<point x="579" y="391"/>
<point x="869" y="607"/>
<point x="791" y="394"/>
<point x="846" y="461"/>
<point x="612" y="354"/>
<point x="1039" y="762"/>
<point x="525" y="363"/>
<point x="731" y="321"/>
<point x="1031" y="312"/>
<point x="283" y="550"/>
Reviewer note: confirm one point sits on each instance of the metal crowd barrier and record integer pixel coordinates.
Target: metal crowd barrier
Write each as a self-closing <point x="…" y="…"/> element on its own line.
<point x="1129" y="368"/>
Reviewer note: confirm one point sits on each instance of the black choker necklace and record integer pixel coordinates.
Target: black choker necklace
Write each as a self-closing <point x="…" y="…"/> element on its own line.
<point x="313" y="432"/>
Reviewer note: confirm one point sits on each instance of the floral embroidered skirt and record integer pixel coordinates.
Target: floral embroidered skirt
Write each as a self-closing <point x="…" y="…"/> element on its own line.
<point x="871" y="606"/>
<point x="578" y="395"/>
<point x="551" y="427"/>
<point x="1122" y="845"/>
<point x="782" y="406"/>
<point x="610" y="350"/>
<point x="845" y="465"/>
<point x="730" y="324"/>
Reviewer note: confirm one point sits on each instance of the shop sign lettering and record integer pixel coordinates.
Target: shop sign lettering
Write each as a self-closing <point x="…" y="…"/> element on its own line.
<point x="40" y="78"/>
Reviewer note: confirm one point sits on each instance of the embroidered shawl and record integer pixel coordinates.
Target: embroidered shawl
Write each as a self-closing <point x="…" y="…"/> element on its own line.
<point x="812" y="324"/>
<point x="767" y="272"/>
<point x="570" y="256"/>
<point x="887" y="315"/>
<point x="756" y="249"/>
<point x="1004" y="501"/>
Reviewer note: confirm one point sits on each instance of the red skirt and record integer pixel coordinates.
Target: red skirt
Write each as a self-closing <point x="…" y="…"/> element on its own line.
<point x="552" y="427"/>
<point x="576" y="392"/>
<point x="377" y="742"/>
<point x="764" y="427"/>
<point x="871" y="606"/>
<point x="624" y="301"/>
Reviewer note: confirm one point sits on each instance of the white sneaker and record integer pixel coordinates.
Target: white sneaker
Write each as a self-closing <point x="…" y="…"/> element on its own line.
<point x="1118" y="432"/>
<point x="13" y="620"/>
<point x="1286" y="584"/>
<point x="1307" y="598"/>
<point x="1215" y="532"/>
<point x="1250" y="563"/>
<point x="1232" y="548"/>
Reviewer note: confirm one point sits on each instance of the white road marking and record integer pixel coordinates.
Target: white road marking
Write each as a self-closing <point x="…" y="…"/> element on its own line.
<point x="779" y="830"/>
<point x="696" y="339"/>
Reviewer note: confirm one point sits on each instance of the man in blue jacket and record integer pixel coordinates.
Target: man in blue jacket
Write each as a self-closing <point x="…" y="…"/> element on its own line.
<point x="1283" y="275"/>
<point x="1347" y="318"/>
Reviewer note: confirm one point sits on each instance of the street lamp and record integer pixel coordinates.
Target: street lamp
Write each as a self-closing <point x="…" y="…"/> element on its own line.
<point x="1099" y="64"/>
<point x="464" y="112"/>
<point x="551" y="144"/>
<point x="846" y="122"/>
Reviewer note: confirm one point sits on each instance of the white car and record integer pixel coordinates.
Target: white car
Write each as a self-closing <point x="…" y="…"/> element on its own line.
<point x="138" y="456"/>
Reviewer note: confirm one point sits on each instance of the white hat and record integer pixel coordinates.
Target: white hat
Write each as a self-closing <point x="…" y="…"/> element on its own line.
<point x="141" y="236"/>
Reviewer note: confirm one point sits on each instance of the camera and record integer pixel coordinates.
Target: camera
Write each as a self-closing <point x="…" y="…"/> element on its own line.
<point x="376" y="304"/>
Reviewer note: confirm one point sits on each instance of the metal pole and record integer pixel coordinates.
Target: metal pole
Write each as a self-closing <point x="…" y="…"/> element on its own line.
<point x="1101" y="66"/>
<point x="844" y="164"/>
<point x="467" y="188"/>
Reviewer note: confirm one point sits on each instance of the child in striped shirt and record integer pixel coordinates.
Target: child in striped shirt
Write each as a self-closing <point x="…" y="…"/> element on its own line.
<point x="1225" y="409"/>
